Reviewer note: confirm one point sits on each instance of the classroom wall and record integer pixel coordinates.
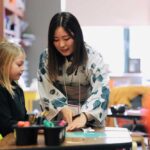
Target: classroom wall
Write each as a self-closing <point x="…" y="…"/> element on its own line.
<point x="38" y="14"/>
<point x="88" y="12"/>
<point x="103" y="22"/>
<point x="110" y="12"/>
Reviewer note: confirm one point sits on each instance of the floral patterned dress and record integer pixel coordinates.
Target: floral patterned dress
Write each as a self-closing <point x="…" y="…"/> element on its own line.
<point x="89" y="86"/>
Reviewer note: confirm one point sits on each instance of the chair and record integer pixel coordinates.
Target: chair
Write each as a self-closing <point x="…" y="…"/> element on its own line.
<point x="132" y="97"/>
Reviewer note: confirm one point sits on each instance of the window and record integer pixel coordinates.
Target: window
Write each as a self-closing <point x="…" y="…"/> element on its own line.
<point x="140" y="46"/>
<point x="109" y="41"/>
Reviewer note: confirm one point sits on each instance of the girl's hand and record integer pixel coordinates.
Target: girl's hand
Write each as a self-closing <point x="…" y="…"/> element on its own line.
<point x="67" y="114"/>
<point x="77" y="123"/>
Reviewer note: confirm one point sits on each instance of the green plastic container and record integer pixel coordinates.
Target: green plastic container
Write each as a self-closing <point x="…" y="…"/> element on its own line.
<point x="1" y="137"/>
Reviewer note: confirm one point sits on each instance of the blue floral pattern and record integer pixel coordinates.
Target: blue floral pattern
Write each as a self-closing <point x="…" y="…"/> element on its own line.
<point x="95" y="74"/>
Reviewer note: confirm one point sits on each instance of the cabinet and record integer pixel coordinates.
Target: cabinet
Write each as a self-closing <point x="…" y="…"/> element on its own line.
<point x="11" y="18"/>
<point x="12" y="24"/>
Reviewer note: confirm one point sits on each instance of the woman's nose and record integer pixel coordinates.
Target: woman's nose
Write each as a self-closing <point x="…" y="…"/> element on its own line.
<point x="62" y="43"/>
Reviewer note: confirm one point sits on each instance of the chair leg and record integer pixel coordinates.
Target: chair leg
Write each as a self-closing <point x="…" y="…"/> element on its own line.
<point x="141" y="140"/>
<point x="115" y="122"/>
<point x="143" y="144"/>
<point x="134" y="145"/>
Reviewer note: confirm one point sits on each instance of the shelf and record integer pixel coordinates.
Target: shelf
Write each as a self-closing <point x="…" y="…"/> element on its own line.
<point x="12" y="26"/>
<point x="126" y="79"/>
<point x="9" y="32"/>
<point x="12" y="19"/>
<point x="10" y="9"/>
<point x="117" y="75"/>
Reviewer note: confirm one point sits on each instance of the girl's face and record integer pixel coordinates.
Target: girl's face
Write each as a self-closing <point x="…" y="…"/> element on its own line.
<point x="63" y="42"/>
<point x="17" y="67"/>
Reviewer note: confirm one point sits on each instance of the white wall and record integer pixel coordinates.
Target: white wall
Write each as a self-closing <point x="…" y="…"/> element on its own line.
<point x="89" y="13"/>
<point x="98" y="17"/>
<point x="110" y="12"/>
<point x="109" y="42"/>
<point x="38" y="14"/>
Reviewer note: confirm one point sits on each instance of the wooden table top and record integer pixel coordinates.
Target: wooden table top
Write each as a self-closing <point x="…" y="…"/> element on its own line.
<point x="111" y="138"/>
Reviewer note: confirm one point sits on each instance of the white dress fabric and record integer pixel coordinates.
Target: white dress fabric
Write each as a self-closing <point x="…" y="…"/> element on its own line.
<point x="89" y="86"/>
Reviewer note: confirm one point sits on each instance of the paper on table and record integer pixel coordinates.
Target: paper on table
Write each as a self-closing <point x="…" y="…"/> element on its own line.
<point x="85" y="134"/>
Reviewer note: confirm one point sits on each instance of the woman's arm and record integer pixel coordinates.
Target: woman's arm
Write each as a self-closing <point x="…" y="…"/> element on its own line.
<point x="96" y="104"/>
<point x="52" y="99"/>
<point x="95" y="107"/>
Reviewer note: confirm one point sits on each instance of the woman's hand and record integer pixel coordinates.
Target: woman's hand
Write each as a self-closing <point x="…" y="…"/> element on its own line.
<point x="67" y="114"/>
<point x="77" y="123"/>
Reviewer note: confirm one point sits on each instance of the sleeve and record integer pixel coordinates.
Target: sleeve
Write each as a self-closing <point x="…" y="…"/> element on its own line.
<point x="6" y="119"/>
<point x="96" y="105"/>
<point x="51" y="99"/>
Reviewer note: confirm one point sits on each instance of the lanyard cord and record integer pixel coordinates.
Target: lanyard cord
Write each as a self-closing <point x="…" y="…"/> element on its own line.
<point x="79" y="108"/>
<point x="64" y="80"/>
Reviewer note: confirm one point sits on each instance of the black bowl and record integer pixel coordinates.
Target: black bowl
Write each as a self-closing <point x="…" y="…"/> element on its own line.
<point x="54" y="135"/>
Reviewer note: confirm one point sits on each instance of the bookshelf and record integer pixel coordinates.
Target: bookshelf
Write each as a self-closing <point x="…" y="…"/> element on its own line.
<point x="11" y="25"/>
<point x="11" y="17"/>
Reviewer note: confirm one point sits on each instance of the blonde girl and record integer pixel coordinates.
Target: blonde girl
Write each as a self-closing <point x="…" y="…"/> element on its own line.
<point x="12" y="105"/>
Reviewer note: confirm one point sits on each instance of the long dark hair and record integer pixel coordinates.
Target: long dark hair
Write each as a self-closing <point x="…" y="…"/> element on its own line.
<point x="55" y="60"/>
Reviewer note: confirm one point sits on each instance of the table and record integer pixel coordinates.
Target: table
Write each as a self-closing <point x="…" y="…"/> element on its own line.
<point x="135" y="115"/>
<point x="128" y="114"/>
<point x="113" y="138"/>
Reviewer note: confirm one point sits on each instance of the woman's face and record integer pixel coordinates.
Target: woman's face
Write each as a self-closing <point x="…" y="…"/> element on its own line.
<point x="63" y="42"/>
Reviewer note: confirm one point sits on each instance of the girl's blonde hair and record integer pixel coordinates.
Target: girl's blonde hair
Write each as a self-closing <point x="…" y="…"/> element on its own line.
<point x="8" y="52"/>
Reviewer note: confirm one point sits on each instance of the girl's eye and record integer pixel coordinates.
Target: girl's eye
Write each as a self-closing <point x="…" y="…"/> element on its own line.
<point x="19" y="65"/>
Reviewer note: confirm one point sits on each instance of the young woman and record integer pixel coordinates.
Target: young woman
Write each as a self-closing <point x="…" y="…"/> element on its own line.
<point x="72" y="78"/>
<point x="12" y="105"/>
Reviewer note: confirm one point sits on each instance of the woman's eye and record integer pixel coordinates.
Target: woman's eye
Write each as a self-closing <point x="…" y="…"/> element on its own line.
<point x="55" y="40"/>
<point x="67" y="38"/>
<point x="64" y="38"/>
